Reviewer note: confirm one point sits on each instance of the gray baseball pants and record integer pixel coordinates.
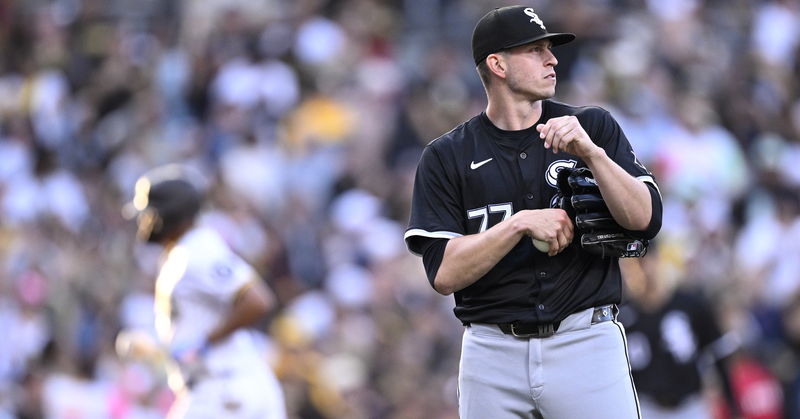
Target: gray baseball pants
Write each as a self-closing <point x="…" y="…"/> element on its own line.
<point x="581" y="371"/>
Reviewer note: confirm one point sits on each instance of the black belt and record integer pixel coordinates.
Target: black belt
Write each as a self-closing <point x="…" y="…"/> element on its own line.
<point x="537" y="330"/>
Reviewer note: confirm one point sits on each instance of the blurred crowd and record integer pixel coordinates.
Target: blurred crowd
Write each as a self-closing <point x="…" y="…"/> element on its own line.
<point x="308" y="117"/>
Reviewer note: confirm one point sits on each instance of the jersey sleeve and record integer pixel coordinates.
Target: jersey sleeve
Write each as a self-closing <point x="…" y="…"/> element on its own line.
<point x="436" y="212"/>
<point x="607" y="133"/>
<point x="220" y="273"/>
<point x="610" y="136"/>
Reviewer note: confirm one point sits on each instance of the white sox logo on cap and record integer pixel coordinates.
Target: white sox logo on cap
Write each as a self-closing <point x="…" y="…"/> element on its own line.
<point x="505" y="28"/>
<point x="529" y="11"/>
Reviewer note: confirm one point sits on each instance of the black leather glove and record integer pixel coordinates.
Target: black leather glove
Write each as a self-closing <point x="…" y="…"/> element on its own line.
<point x="599" y="233"/>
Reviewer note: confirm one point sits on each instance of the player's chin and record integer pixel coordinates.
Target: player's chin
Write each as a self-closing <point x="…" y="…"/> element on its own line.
<point x="545" y="92"/>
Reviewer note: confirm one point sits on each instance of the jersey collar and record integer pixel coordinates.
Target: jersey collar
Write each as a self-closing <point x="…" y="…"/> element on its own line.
<point x="514" y="137"/>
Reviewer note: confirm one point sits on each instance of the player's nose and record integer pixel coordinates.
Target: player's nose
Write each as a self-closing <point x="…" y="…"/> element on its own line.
<point x="550" y="60"/>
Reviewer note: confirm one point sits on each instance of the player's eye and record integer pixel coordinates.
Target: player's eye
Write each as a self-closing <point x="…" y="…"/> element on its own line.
<point x="538" y="49"/>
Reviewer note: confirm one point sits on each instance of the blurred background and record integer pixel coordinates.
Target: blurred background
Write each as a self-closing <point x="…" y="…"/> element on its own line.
<point x="308" y="118"/>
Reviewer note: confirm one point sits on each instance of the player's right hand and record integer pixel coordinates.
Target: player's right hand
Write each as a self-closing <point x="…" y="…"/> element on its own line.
<point x="550" y="225"/>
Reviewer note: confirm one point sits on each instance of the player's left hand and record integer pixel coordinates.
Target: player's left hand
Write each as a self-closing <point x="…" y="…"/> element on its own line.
<point x="565" y="133"/>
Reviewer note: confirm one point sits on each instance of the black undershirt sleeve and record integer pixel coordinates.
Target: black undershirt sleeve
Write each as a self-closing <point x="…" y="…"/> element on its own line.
<point x="432" y="255"/>
<point x="656" y="215"/>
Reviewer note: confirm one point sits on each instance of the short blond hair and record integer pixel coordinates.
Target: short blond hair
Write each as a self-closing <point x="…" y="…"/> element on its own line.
<point x="484" y="73"/>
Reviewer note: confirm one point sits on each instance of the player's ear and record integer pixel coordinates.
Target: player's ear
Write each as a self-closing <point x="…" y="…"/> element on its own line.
<point x="497" y="65"/>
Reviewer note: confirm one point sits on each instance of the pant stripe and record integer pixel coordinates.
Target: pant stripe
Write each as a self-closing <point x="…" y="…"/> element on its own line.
<point x="630" y="373"/>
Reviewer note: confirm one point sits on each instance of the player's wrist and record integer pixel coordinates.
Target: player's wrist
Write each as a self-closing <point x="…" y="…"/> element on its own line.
<point x="518" y="227"/>
<point x="593" y="154"/>
<point x="587" y="150"/>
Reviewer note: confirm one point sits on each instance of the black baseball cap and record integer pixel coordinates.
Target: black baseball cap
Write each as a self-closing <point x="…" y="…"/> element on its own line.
<point x="509" y="27"/>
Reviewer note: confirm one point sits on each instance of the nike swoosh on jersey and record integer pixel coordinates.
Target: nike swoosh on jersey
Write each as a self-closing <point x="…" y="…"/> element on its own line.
<point x="474" y="165"/>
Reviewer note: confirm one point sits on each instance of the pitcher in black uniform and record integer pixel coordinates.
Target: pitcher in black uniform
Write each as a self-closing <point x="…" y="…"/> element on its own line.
<point x="674" y="338"/>
<point x="541" y="337"/>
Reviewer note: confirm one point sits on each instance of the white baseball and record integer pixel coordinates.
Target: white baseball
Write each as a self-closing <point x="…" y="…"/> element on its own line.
<point x="541" y="246"/>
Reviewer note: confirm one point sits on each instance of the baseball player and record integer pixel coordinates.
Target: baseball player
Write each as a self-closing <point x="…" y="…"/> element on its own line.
<point x="541" y="337"/>
<point x="206" y="297"/>
<point x="672" y="333"/>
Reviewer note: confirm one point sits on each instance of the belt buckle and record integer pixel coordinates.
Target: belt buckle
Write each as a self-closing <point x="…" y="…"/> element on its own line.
<point x="519" y="335"/>
<point x="544" y="331"/>
<point x="603" y="313"/>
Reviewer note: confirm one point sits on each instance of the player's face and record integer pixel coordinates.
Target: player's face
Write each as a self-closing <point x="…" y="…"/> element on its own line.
<point x="531" y="70"/>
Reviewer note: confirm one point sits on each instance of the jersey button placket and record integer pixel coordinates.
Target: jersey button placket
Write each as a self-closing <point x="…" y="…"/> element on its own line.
<point x="523" y="155"/>
<point x="541" y="275"/>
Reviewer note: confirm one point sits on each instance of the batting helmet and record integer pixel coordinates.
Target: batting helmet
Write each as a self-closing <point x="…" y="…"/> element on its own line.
<point x="164" y="202"/>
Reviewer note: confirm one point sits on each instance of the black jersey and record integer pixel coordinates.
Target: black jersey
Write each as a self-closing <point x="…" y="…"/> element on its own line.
<point x="477" y="175"/>
<point x="666" y="345"/>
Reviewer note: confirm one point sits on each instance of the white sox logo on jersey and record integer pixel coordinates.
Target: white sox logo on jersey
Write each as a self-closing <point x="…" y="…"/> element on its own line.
<point x="676" y="333"/>
<point x="552" y="171"/>
<point x="529" y="11"/>
<point x="551" y="175"/>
